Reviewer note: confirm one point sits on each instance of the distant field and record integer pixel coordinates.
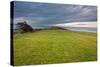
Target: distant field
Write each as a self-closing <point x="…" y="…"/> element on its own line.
<point x="54" y="46"/>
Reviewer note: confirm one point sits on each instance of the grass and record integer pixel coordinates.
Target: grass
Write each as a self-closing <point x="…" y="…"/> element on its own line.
<point x="54" y="46"/>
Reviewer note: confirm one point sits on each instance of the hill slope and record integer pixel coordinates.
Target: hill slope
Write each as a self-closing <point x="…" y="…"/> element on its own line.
<point x="54" y="46"/>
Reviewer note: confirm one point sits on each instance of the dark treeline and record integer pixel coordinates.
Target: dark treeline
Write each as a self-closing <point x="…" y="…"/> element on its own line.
<point x="23" y="27"/>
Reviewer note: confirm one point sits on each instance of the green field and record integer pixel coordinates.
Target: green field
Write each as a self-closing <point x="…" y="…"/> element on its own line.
<point x="54" y="46"/>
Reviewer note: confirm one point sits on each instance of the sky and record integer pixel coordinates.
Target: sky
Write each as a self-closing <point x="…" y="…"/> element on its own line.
<point x="50" y="14"/>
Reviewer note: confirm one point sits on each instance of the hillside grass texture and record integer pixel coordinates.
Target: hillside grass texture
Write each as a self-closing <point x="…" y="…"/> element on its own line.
<point x="54" y="46"/>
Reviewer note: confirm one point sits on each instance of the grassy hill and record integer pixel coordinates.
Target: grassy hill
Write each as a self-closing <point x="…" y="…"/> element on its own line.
<point x="54" y="46"/>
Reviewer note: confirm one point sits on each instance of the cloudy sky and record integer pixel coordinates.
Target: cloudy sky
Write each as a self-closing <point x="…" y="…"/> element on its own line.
<point x="47" y="14"/>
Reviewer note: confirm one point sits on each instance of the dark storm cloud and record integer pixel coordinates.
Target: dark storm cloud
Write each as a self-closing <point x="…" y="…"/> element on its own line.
<point x="42" y="14"/>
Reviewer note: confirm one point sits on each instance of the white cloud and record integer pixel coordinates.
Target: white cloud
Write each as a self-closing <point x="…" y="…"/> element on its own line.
<point x="88" y="11"/>
<point x="28" y="19"/>
<point x="79" y="24"/>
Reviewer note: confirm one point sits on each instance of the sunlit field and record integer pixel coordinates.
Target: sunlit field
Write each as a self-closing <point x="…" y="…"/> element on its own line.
<point x="54" y="46"/>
